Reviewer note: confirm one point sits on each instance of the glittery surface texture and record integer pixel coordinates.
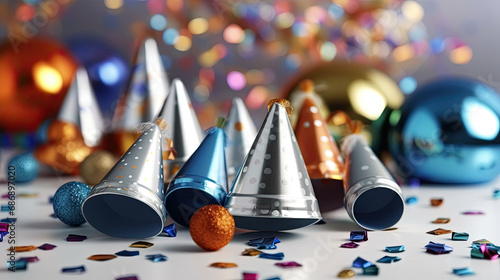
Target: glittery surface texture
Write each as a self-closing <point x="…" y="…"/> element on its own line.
<point x="212" y="227"/>
<point x="68" y="201"/>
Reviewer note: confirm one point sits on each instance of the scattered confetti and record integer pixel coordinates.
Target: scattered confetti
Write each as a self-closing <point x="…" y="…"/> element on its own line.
<point x="350" y="245"/>
<point x="360" y="262"/>
<point x="441" y="221"/>
<point x="489" y="246"/>
<point x="481" y="241"/>
<point x="438" y="248"/>
<point x="277" y="256"/>
<point x="30" y="259"/>
<point x="463" y="271"/>
<point x="250" y="276"/>
<point x="47" y="247"/>
<point x="157" y="258"/>
<point x="23" y="248"/>
<point x="4" y="227"/>
<point x="411" y="200"/>
<point x="395" y="249"/>
<point x="17" y="265"/>
<point x="129" y="277"/>
<point x="126" y="253"/>
<point x="496" y="193"/>
<point x="32" y="195"/>
<point x="8" y="220"/>
<point x="101" y="258"/>
<point x="359" y="235"/>
<point x="288" y="264"/>
<point x="75" y="238"/>
<point x="274" y="278"/>
<point x="4" y="208"/>
<point x="461" y="236"/>
<point x="2" y="234"/>
<point x="223" y="265"/>
<point x="73" y="269"/>
<point x="346" y="273"/>
<point x="370" y="270"/>
<point x="141" y="244"/>
<point x="436" y="202"/>
<point x="5" y="195"/>
<point x="473" y="213"/>
<point x="389" y="259"/>
<point x="483" y="252"/>
<point x="439" y="231"/>
<point x="264" y="243"/>
<point x="170" y="231"/>
<point x="251" y="252"/>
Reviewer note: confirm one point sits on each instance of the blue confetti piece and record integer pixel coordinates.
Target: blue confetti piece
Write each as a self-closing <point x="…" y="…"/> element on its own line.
<point x="157" y="258"/>
<point x="277" y="256"/>
<point x="8" y="220"/>
<point x="460" y="236"/>
<point x="360" y="262"/>
<point x="389" y="259"/>
<point x="395" y="249"/>
<point x="73" y="269"/>
<point x="126" y="253"/>
<point x="274" y="278"/>
<point x="264" y="243"/>
<point x="358" y="235"/>
<point x="2" y="234"/>
<point x="463" y="271"/>
<point x="17" y="265"/>
<point x="411" y="200"/>
<point x="438" y="248"/>
<point x="496" y="193"/>
<point x="370" y="270"/>
<point x="170" y="230"/>
<point x="4" y="208"/>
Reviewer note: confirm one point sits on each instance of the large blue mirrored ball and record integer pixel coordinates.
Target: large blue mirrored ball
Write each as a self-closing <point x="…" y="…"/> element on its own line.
<point x="448" y="132"/>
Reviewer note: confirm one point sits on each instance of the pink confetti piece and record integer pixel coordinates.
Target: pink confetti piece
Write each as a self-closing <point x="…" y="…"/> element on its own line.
<point x="288" y="264"/>
<point x="75" y="238"/>
<point x="250" y="276"/>
<point x="473" y="213"/>
<point x="47" y="247"/>
<point x="350" y="245"/>
<point x="487" y="253"/>
<point x="30" y="259"/>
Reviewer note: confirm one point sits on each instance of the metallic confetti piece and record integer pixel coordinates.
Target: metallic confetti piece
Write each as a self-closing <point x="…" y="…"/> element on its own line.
<point x="277" y="256"/>
<point x="2" y="234"/>
<point x="370" y="270"/>
<point x="47" y="247"/>
<point x="129" y="277"/>
<point x="8" y="220"/>
<point x="141" y="244"/>
<point x="360" y="262"/>
<point x="389" y="259"/>
<point x="411" y="200"/>
<point x="30" y="259"/>
<point x="274" y="278"/>
<point x="101" y="258"/>
<point x="490" y="246"/>
<point x="264" y="243"/>
<point x="483" y="252"/>
<point x="32" y="195"/>
<point x="170" y="230"/>
<point x="346" y="273"/>
<point x="395" y="249"/>
<point x="439" y="231"/>
<point x="23" y="248"/>
<point x="288" y="264"/>
<point x="157" y="258"/>
<point x="126" y="253"/>
<point x="359" y="235"/>
<point x="461" y="236"/>
<point x="481" y="241"/>
<point x="441" y="221"/>
<point x="17" y="265"/>
<point x="436" y="202"/>
<point x="223" y="265"/>
<point x="437" y="248"/>
<point x="463" y="271"/>
<point x="350" y="245"/>
<point x="473" y="213"/>
<point x="73" y="269"/>
<point x="4" y="208"/>
<point x="5" y="195"/>
<point x="496" y="193"/>
<point x="251" y="252"/>
<point x="250" y="276"/>
<point x="390" y="229"/>
<point x="4" y="227"/>
<point x="75" y="238"/>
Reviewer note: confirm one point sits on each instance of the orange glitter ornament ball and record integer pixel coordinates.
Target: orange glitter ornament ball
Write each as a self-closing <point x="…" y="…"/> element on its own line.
<point x="211" y="227"/>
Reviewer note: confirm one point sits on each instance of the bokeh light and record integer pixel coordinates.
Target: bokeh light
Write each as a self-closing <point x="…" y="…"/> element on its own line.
<point x="408" y="84"/>
<point x="257" y="97"/>
<point x="170" y="36"/>
<point x="328" y="51"/>
<point x="285" y="20"/>
<point x="461" y="55"/>
<point x="236" y="80"/>
<point x="158" y="22"/>
<point x="109" y="73"/>
<point x="403" y="53"/>
<point x="183" y="43"/>
<point x="201" y="93"/>
<point x="198" y="26"/>
<point x="25" y="13"/>
<point x="113" y="4"/>
<point x="233" y="34"/>
<point x="47" y="78"/>
<point x="412" y="11"/>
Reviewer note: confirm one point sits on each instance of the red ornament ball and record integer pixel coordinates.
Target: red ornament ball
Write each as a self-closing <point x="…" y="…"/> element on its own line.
<point x="212" y="227"/>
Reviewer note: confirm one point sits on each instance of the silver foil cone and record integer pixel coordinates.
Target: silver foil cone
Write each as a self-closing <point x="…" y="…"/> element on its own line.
<point x="147" y="89"/>
<point x="272" y="191"/>
<point x="241" y="132"/>
<point x="182" y="127"/>
<point x="80" y="107"/>
<point x="128" y="202"/>
<point x="372" y="198"/>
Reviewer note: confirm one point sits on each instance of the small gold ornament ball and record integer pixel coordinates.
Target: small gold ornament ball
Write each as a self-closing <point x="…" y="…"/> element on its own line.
<point x="211" y="227"/>
<point x="96" y="165"/>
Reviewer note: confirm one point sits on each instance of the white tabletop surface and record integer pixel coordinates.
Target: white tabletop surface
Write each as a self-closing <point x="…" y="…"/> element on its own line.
<point x="316" y="247"/>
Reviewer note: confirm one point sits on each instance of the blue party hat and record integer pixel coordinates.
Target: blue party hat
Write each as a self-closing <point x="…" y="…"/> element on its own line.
<point x="202" y="180"/>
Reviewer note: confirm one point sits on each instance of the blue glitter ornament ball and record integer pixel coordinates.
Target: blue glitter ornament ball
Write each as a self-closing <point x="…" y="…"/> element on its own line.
<point x="67" y="202"/>
<point x="25" y="167"/>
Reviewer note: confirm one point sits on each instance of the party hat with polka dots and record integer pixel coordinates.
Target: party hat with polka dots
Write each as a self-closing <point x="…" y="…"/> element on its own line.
<point x="321" y="155"/>
<point x="181" y="125"/>
<point x="272" y="191"/>
<point x="201" y="181"/>
<point x="128" y="202"/>
<point x="240" y="131"/>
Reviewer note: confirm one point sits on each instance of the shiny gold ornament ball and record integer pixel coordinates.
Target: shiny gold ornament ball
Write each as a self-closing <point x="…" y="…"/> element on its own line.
<point x="96" y="165"/>
<point x="211" y="227"/>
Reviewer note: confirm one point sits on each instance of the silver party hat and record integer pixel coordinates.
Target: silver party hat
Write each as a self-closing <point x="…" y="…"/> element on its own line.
<point x="240" y="131"/>
<point x="272" y="191"/>
<point x="147" y="89"/>
<point x="80" y="107"/>
<point x="128" y="202"/>
<point x="182" y="127"/>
